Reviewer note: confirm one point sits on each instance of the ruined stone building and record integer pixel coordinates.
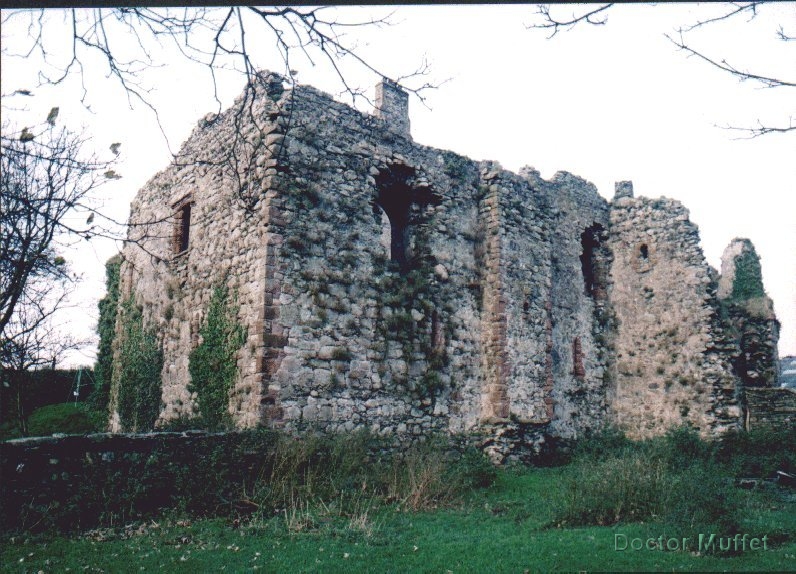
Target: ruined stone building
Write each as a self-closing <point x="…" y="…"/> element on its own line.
<point x="388" y="285"/>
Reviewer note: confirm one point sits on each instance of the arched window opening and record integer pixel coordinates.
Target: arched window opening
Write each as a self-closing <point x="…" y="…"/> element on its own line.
<point x="405" y="205"/>
<point x="395" y="209"/>
<point x="644" y="251"/>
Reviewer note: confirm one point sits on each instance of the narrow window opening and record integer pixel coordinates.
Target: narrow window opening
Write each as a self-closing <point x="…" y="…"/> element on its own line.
<point x="182" y="226"/>
<point x="185" y="226"/>
<point x="385" y="237"/>
<point x="590" y="242"/>
<point x="643" y="251"/>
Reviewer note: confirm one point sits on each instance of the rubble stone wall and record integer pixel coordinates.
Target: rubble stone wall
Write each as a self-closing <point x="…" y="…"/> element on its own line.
<point x="672" y="358"/>
<point x="773" y="409"/>
<point x="396" y="287"/>
<point x="750" y="315"/>
<point x="231" y="243"/>
<point x="578" y="298"/>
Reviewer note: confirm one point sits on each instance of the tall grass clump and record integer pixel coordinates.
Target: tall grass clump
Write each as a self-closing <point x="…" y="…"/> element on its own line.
<point x="339" y="470"/>
<point x="430" y="474"/>
<point x="673" y="480"/>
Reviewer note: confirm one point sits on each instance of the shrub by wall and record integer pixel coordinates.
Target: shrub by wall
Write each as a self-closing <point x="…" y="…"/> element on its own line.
<point x="748" y="281"/>
<point x="79" y="482"/>
<point x="106" y="328"/>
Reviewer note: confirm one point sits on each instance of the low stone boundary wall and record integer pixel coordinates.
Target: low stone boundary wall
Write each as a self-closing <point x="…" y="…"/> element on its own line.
<point x="773" y="408"/>
<point x="79" y="482"/>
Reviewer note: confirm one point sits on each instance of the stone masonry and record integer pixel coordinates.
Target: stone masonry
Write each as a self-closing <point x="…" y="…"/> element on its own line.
<point x="392" y="286"/>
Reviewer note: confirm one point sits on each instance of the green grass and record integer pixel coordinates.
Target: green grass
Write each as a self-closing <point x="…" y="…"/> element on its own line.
<point x="503" y="528"/>
<point x="323" y="508"/>
<point x="66" y="418"/>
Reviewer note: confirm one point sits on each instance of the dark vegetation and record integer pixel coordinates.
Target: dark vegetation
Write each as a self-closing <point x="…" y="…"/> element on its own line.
<point x="38" y="388"/>
<point x="212" y="363"/>
<point x="108" y="305"/>
<point x="348" y="503"/>
<point x="140" y="364"/>
<point x="748" y="280"/>
<point x="246" y="474"/>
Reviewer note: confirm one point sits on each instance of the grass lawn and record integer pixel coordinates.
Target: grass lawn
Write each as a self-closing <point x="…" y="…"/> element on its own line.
<point x="67" y="418"/>
<point x="503" y="528"/>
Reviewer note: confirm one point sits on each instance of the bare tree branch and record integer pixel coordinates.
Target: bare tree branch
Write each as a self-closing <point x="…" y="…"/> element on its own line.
<point x="767" y="81"/>
<point x="783" y="36"/>
<point x="761" y="129"/>
<point x="216" y="39"/>
<point x="736" y="8"/>
<point x="732" y="11"/>
<point x="554" y="24"/>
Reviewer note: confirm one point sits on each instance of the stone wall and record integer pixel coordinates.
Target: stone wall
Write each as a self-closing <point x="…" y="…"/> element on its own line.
<point x="391" y="286"/>
<point x="673" y="358"/>
<point x="770" y="408"/>
<point x="174" y="284"/>
<point x="79" y="482"/>
<point x="578" y="304"/>
<point x="750" y="315"/>
<point x="378" y="245"/>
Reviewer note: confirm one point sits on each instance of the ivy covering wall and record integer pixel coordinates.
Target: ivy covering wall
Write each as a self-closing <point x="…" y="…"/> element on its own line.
<point x="137" y="374"/>
<point x="106" y="328"/>
<point x="212" y="364"/>
<point x="748" y="281"/>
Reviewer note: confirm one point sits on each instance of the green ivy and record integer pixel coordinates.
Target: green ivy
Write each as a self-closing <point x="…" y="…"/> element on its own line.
<point x="137" y="373"/>
<point x="106" y="329"/>
<point x="748" y="281"/>
<point x="212" y="364"/>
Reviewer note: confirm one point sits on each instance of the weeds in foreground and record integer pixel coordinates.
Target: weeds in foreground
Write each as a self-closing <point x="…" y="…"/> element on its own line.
<point x="341" y="470"/>
<point x="676" y="480"/>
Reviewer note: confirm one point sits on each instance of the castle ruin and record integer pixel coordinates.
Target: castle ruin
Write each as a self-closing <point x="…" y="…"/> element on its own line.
<point x="387" y="285"/>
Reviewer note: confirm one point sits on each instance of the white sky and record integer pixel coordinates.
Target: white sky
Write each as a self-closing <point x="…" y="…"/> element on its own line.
<point x="606" y="103"/>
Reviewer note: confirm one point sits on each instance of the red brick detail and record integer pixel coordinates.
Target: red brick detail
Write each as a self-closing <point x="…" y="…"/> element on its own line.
<point x="273" y="334"/>
<point x="548" y="362"/>
<point x="497" y="368"/>
<point x="577" y="359"/>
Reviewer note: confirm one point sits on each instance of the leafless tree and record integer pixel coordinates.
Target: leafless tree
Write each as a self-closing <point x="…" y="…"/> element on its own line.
<point x="45" y="181"/>
<point x="34" y="339"/>
<point x="682" y="39"/>
<point x="129" y="41"/>
<point x="216" y="38"/>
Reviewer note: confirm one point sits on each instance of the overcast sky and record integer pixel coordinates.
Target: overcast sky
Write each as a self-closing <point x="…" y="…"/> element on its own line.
<point x="607" y="103"/>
